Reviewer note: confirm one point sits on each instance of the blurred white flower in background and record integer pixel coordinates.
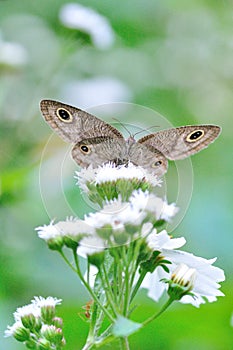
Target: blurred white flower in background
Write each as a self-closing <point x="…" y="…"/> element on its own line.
<point x="95" y="91"/>
<point x="12" y="54"/>
<point x="85" y="19"/>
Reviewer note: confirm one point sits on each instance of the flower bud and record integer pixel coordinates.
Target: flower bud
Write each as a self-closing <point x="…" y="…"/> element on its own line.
<point x="31" y="344"/>
<point x="57" y="322"/>
<point x="21" y="334"/>
<point x="105" y="231"/>
<point x="43" y="344"/>
<point x="96" y="259"/>
<point x="47" y="313"/>
<point x="181" y="282"/>
<point x="58" y="336"/>
<point x="120" y="237"/>
<point x="49" y="332"/>
<point x="55" y="243"/>
<point x="30" y="321"/>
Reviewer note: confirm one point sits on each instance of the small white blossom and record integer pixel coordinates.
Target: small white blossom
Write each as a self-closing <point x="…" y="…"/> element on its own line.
<point x="184" y="276"/>
<point x="161" y="240"/>
<point x="12" y="54"/>
<point x="48" y="329"/>
<point x="85" y="175"/>
<point x="49" y="301"/>
<point x="48" y="232"/>
<point x="83" y="18"/>
<point x="71" y="226"/>
<point x="74" y="227"/>
<point x="111" y="172"/>
<point x="90" y="245"/>
<point x="26" y="310"/>
<point x="11" y="330"/>
<point x="116" y="213"/>
<point x="153" y="204"/>
<point x="207" y="276"/>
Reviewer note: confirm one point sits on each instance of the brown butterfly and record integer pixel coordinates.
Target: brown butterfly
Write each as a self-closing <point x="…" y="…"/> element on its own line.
<point x="96" y="142"/>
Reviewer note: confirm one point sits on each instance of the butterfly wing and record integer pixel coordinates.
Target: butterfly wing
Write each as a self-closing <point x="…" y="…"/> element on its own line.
<point x="96" y="142"/>
<point x="180" y="143"/>
<point x="148" y="157"/>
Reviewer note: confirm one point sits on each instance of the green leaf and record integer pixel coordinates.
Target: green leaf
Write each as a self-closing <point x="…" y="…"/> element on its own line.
<point x="123" y="327"/>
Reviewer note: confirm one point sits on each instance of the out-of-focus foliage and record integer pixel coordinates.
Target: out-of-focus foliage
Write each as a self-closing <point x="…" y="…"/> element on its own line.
<point x="172" y="56"/>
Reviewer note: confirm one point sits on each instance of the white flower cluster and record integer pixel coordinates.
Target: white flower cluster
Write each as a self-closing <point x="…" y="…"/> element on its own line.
<point x="121" y="222"/>
<point x="115" y="214"/>
<point x="111" y="172"/>
<point x="33" y="309"/>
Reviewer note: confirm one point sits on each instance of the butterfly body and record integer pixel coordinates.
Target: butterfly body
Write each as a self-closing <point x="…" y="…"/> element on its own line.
<point x="96" y="142"/>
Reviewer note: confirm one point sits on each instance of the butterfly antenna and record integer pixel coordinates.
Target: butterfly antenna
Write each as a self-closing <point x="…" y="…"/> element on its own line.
<point x="123" y="126"/>
<point x="151" y="127"/>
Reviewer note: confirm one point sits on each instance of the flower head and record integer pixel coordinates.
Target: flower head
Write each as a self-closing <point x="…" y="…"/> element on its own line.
<point x="111" y="172"/>
<point x="153" y="204"/>
<point x="18" y="331"/>
<point x="206" y="285"/>
<point x="31" y="320"/>
<point x="49" y="301"/>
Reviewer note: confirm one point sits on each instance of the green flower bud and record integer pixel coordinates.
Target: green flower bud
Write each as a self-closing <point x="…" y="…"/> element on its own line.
<point x="30" y="321"/>
<point x="21" y="334"/>
<point x="49" y="332"/>
<point x="55" y="243"/>
<point x="57" y="322"/>
<point x="43" y="344"/>
<point x="58" y="336"/>
<point x="120" y="237"/>
<point x="105" y="231"/>
<point x="96" y="259"/>
<point x="47" y="313"/>
<point x="31" y="344"/>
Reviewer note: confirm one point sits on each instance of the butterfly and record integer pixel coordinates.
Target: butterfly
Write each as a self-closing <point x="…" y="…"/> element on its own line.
<point x="97" y="142"/>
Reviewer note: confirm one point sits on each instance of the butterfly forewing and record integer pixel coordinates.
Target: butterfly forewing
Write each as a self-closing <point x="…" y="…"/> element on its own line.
<point x="179" y="143"/>
<point x="81" y="125"/>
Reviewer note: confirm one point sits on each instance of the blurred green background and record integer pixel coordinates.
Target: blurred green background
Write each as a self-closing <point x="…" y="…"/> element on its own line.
<point x="175" y="57"/>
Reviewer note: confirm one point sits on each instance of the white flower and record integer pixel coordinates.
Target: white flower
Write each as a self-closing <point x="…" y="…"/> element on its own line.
<point x="87" y="20"/>
<point x="48" y="232"/>
<point x="206" y="284"/>
<point x="12" y="54"/>
<point x="85" y="175"/>
<point x="162" y="240"/>
<point x="153" y="204"/>
<point x="49" y="301"/>
<point x="90" y="245"/>
<point x="184" y="276"/>
<point x="11" y="330"/>
<point x="97" y="91"/>
<point x="74" y="227"/>
<point x="71" y="226"/>
<point x="26" y="310"/>
<point x="111" y="172"/>
<point x="116" y="213"/>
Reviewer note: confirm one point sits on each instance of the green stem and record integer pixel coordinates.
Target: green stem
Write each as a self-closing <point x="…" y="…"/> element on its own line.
<point x="124" y="344"/>
<point x="152" y="318"/>
<point x="126" y="280"/>
<point x="138" y="284"/>
<point x="89" y="288"/>
<point x="108" y="289"/>
<point x="67" y="261"/>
